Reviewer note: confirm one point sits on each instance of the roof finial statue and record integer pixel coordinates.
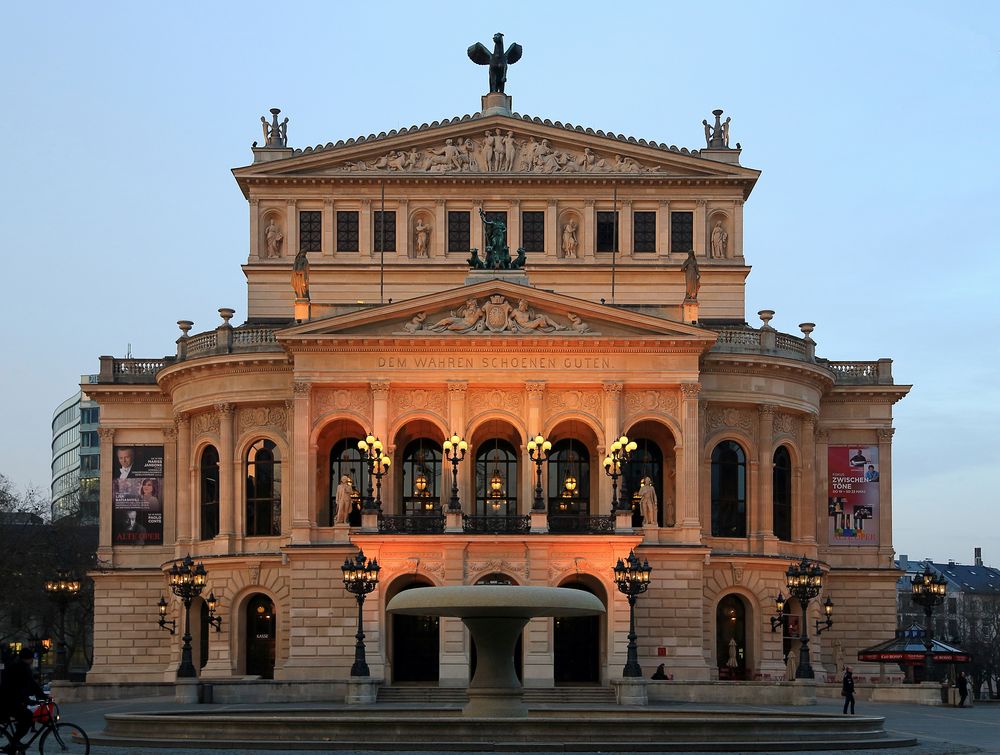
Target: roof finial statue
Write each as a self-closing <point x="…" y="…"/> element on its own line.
<point x="498" y="60"/>
<point x="717" y="136"/>
<point x="275" y="134"/>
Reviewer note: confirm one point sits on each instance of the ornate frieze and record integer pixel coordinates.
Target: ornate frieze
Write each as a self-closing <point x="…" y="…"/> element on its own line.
<point x="261" y="416"/>
<point x="786" y="424"/>
<point x="498" y="564"/>
<point x="497" y="315"/>
<point x="586" y="400"/>
<point x="499" y="152"/>
<point x="640" y="401"/>
<point x="730" y="418"/>
<point x="403" y="401"/>
<point x="204" y="423"/>
<point x="494" y="398"/>
<point x="328" y="400"/>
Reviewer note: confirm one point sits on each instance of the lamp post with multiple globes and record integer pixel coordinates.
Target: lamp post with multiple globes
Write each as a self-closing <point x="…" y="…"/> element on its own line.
<point x="455" y="449"/>
<point x="538" y="452"/>
<point x="928" y="590"/>
<point x="62" y="589"/>
<point x="618" y="456"/>
<point x="632" y="578"/>
<point x="360" y="578"/>
<point x="804" y="581"/>
<point x="378" y="464"/>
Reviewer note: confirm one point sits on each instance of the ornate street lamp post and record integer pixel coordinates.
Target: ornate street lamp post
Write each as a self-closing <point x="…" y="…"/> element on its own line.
<point x="538" y="451"/>
<point x="62" y="590"/>
<point x="614" y="462"/>
<point x="360" y="578"/>
<point x="804" y="581"/>
<point x="928" y="590"/>
<point x="186" y="580"/>
<point x="454" y="451"/>
<point x="632" y="579"/>
<point x="378" y="465"/>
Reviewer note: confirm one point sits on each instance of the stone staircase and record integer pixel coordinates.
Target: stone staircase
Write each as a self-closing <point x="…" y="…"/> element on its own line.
<point x="575" y="697"/>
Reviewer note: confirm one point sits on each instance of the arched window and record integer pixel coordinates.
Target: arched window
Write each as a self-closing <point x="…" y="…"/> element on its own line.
<point x="421" y="470"/>
<point x="646" y="461"/>
<point x="496" y="479"/>
<point x="345" y="459"/>
<point x="729" y="486"/>
<point x="263" y="467"/>
<point x="208" y="473"/>
<point x="781" y="493"/>
<point x="569" y="477"/>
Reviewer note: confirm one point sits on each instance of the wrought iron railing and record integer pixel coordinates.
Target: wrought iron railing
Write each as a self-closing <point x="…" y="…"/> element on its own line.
<point x="412" y="524"/>
<point x="581" y="524"/>
<point x="496" y="525"/>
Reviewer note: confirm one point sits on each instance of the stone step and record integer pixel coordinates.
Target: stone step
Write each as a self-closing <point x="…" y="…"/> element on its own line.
<point x="534" y="697"/>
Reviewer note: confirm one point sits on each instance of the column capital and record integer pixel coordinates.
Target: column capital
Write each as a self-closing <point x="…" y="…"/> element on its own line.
<point x="366" y="204"/>
<point x="822" y="435"/>
<point x="181" y="419"/>
<point x="613" y="387"/>
<point x="809" y="423"/>
<point x="665" y="203"/>
<point x="457" y="386"/>
<point x="690" y="390"/>
<point x="301" y="390"/>
<point x="737" y="203"/>
<point x="701" y="203"/>
<point x="255" y="202"/>
<point x="766" y="410"/>
<point x="106" y="433"/>
<point x="441" y="202"/>
<point x="225" y="408"/>
<point x="885" y="434"/>
<point x="589" y="202"/>
<point x="170" y="432"/>
<point x="535" y="388"/>
<point x="379" y="388"/>
<point x="291" y="202"/>
<point x="626" y="204"/>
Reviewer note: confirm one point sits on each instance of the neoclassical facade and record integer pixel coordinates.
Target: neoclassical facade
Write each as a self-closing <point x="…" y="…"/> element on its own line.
<point x="364" y="318"/>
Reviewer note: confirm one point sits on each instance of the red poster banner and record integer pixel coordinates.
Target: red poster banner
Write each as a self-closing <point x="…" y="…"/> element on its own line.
<point x="852" y="503"/>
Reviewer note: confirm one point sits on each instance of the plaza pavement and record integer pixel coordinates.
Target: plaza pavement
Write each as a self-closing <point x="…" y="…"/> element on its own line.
<point x="939" y="730"/>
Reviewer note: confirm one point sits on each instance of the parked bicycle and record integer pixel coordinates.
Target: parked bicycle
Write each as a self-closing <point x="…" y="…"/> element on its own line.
<point x="55" y="736"/>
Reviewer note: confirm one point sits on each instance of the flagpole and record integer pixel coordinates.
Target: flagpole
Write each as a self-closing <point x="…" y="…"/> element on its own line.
<point x="614" y="249"/>
<point x="381" y="261"/>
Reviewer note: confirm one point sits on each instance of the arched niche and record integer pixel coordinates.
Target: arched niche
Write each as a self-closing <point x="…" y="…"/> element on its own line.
<point x="266" y="250"/>
<point x="724" y="240"/>
<point x="566" y="218"/>
<point x="421" y="223"/>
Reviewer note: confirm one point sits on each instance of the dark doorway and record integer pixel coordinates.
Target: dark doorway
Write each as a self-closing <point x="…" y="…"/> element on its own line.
<point x="415" y="646"/>
<point x="577" y="646"/>
<point x="260" y="635"/>
<point x="731" y="638"/>
<point x="499" y="579"/>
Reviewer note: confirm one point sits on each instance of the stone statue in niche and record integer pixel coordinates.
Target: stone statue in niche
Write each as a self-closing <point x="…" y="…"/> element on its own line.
<point x="421" y="235"/>
<point x="497" y="61"/>
<point x="692" y="277"/>
<point x="647" y="502"/>
<point x="343" y="499"/>
<point x="272" y="239"/>
<point x="719" y="241"/>
<point x="569" y="239"/>
<point x="300" y="276"/>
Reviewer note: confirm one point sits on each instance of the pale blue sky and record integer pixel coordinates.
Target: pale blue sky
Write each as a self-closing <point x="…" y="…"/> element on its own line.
<point x="874" y="125"/>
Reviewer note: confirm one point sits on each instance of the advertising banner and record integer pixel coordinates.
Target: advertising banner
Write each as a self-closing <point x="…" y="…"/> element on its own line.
<point x="137" y="495"/>
<point x="852" y="503"/>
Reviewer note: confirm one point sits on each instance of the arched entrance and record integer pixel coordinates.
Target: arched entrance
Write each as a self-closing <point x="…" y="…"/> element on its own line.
<point x="499" y="579"/>
<point x="261" y="626"/>
<point x="576" y="644"/>
<point x="731" y="638"/>
<point x="415" y="644"/>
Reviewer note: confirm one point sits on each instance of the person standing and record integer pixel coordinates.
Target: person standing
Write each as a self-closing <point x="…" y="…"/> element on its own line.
<point x="963" y="689"/>
<point x="847" y="690"/>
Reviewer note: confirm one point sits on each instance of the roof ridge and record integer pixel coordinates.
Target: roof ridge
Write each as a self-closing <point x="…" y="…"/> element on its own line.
<point x="479" y="116"/>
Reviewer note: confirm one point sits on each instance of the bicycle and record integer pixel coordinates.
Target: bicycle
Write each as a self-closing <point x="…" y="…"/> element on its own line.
<point x="56" y="736"/>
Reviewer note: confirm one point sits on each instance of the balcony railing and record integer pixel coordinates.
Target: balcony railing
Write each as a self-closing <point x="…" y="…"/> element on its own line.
<point x="411" y="524"/>
<point x="496" y="525"/>
<point x="581" y="524"/>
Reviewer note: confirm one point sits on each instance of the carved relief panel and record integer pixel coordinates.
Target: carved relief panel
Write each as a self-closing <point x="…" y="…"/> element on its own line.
<point x="484" y="399"/>
<point x="250" y="417"/>
<point x="583" y="400"/>
<point x="403" y="400"/>
<point x="651" y="401"/>
<point x="721" y="418"/>
<point x="329" y="400"/>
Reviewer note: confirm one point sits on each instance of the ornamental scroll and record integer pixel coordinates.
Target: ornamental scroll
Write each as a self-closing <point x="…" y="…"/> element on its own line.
<point x="496" y="315"/>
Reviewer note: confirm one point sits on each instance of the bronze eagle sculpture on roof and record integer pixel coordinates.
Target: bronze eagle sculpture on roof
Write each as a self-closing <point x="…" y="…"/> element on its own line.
<point x="498" y="60"/>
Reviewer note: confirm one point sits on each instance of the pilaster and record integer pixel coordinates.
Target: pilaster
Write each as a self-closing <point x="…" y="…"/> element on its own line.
<point x="228" y="476"/>
<point x="804" y="524"/>
<point x="185" y="481"/>
<point x="254" y="229"/>
<point x="820" y="515"/>
<point x="688" y="463"/>
<point x="301" y="409"/>
<point x="552" y="238"/>
<point x="291" y="245"/>
<point x="589" y="245"/>
<point x="514" y="226"/>
<point x="403" y="229"/>
<point x="171" y="471"/>
<point x="328" y="222"/>
<point x="612" y="429"/>
<point x="699" y="229"/>
<point x="365" y="238"/>
<point x="106" y="436"/>
<point x="885" y="495"/>
<point x="476" y="229"/>
<point x="737" y="248"/>
<point x="663" y="229"/>
<point x="763" y="529"/>
<point x="625" y="228"/>
<point x="439" y="234"/>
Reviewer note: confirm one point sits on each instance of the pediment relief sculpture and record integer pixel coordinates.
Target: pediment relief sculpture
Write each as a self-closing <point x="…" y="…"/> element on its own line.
<point x="497" y="315"/>
<point x="499" y="152"/>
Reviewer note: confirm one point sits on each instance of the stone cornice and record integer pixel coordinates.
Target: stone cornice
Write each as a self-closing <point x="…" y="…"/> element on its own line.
<point x="223" y="364"/>
<point x="867" y="394"/>
<point x="762" y="365"/>
<point x="127" y="394"/>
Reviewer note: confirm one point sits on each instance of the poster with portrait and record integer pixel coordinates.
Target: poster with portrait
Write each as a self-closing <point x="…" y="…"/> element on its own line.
<point x="137" y="495"/>
<point x="852" y="502"/>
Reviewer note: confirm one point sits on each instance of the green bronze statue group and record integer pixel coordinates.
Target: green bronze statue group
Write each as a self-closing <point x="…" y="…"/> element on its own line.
<point x="497" y="252"/>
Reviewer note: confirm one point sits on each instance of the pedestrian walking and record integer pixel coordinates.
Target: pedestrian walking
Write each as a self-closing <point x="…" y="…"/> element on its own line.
<point x="847" y="690"/>
<point x="963" y="689"/>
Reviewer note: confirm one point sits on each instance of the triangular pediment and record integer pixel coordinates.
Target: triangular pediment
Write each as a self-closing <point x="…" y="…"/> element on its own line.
<point x="497" y="308"/>
<point x="496" y="145"/>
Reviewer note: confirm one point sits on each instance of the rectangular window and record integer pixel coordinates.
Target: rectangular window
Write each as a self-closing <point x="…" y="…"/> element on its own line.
<point x="606" y="226"/>
<point x="347" y="230"/>
<point x="644" y="231"/>
<point x="681" y="231"/>
<point x="310" y="231"/>
<point x="88" y="416"/>
<point x="458" y="232"/>
<point x="390" y="230"/>
<point x="89" y="439"/>
<point x="494" y="216"/>
<point x="533" y="231"/>
<point x="90" y="463"/>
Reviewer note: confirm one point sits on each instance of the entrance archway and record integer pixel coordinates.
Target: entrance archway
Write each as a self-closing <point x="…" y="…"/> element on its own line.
<point x="261" y="626"/>
<point x="415" y="644"/>
<point x="576" y="645"/>
<point x="731" y="638"/>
